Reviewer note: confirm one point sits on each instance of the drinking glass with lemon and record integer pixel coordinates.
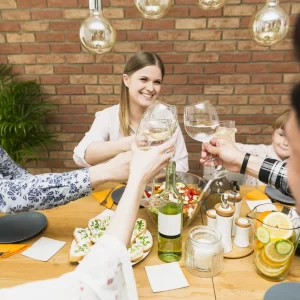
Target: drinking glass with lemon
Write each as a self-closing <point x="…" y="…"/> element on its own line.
<point x="275" y="239"/>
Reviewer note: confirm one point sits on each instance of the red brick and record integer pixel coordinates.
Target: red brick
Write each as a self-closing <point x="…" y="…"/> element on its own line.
<point x="54" y="79"/>
<point x="59" y="3"/>
<point x="68" y="69"/>
<point x="9" y="26"/>
<point x="15" y="15"/>
<point x="121" y="3"/>
<point x="197" y="12"/>
<point x="235" y="57"/>
<point x="224" y="110"/>
<point x="203" y="79"/>
<point x="83" y="119"/>
<point x="187" y="90"/>
<point x="62" y="48"/>
<point x="177" y="35"/>
<point x="239" y="34"/>
<point x="141" y="36"/>
<point x="262" y="99"/>
<point x="279" y="88"/>
<point x="248" y="109"/>
<point x="59" y="119"/>
<point x="158" y="24"/>
<point x="110" y="58"/>
<point x="64" y="26"/>
<point x="188" y="69"/>
<point x="188" y="46"/>
<point x="249" y="89"/>
<point x="121" y="35"/>
<point x="98" y="89"/>
<point x="75" y="128"/>
<point x="276" y="109"/>
<point x="36" y="48"/>
<point x="218" y="90"/>
<point x="85" y="99"/>
<point x="109" y="99"/>
<point x="47" y="14"/>
<point x="74" y="109"/>
<point x="59" y="99"/>
<point x="98" y="69"/>
<point x="131" y="12"/>
<point x="233" y="100"/>
<point x="173" y="99"/>
<point x="126" y="47"/>
<point x="32" y="3"/>
<point x="50" y="59"/>
<point x="178" y="12"/>
<point x="50" y="37"/>
<point x="158" y="47"/>
<point x="174" y="79"/>
<point x="70" y="90"/>
<point x="17" y="69"/>
<point x="260" y="56"/>
<point x="203" y="57"/>
<point x="261" y="119"/>
<point x="219" y="68"/>
<point x="266" y="78"/>
<point x="283" y="67"/>
<point x="251" y="68"/>
<point x="234" y="79"/>
<point x="173" y="58"/>
<point x="248" y="129"/>
<point x="207" y="35"/>
<point x="50" y="164"/>
<point x="10" y="49"/>
<point x="290" y="56"/>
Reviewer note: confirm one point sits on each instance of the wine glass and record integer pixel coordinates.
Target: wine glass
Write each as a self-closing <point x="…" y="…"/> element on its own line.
<point x="201" y="122"/>
<point x="151" y="133"/>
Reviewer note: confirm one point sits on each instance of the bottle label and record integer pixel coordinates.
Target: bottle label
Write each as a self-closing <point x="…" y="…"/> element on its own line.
<point x="169" y="226"/>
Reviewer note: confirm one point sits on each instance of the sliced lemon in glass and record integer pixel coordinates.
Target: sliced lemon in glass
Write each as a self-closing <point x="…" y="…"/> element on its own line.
<point x="273" y="254"/>
<point x="279" y="225"/>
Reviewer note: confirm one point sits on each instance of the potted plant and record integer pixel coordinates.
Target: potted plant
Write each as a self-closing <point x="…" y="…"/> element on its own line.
<point x="22" y="117"/>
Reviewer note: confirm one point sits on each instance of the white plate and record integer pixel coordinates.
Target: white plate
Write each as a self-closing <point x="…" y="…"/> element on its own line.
<point x="145" y="253"/>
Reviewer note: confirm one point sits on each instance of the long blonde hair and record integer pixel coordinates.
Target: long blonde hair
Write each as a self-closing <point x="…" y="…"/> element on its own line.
<point x="136" y="62"/>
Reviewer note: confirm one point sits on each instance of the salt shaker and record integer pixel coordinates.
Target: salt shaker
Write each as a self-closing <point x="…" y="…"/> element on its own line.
<point x="235" y="199"/>
<point x="211" y="218"/>
<point x="224" y="217"/>
<point x="241" y="238"/>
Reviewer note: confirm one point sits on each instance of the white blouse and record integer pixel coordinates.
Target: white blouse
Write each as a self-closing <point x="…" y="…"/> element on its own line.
<point x="106" y="127"/>
<point x="104" y="274"/>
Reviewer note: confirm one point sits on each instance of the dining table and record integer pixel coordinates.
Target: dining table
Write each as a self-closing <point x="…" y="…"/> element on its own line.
<point x="238" y="279"/>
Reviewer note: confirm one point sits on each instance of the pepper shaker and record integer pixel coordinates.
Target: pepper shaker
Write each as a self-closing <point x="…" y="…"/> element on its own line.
<point x="224" y="219"/>
<point x="241" y="238"/>
<point x="211" y="218"/>
<point x="235" y="199"/>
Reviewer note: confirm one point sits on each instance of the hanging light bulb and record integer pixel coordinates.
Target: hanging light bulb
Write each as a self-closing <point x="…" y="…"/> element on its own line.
<point x="270" y="24"/>
<point x="210" y="4"/>
<point x="153" y="9"/>
<point x="96" y="34"/>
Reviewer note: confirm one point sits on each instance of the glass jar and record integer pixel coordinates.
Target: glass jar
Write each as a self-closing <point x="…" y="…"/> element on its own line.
<point x="204" y="252"/>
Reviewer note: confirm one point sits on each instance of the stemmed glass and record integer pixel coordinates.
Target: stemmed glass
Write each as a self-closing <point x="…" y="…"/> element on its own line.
<point x="151" y="133"/>
<point x="201" y="122"/>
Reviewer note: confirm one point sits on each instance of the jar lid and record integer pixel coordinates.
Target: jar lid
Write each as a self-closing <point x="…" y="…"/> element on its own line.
<point x="211" y="213"/>
<point x="231" y="194"/>
<point x="242" y="222"/>
<point x="224" y="212"/>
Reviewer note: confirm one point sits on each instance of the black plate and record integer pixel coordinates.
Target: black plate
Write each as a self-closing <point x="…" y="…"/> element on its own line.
<point x="19" y="227"/>
<point x="117" y="194"/>
<point x="278" y="196"/>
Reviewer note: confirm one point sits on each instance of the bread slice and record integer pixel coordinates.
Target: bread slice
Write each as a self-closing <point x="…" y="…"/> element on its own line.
<point x="82" y="236"/>
<point x="99" y="224"/>
<point x="96" y="236"/>
<point x="136" y="252"/>
<point x="145" y="240"/>
<point x="78" y="252"/>
<point x="140" y="227"/>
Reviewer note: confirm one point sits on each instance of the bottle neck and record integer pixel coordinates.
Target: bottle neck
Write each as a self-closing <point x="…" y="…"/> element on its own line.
<point x="272" y="3"/>
<point x="171" y="176"/>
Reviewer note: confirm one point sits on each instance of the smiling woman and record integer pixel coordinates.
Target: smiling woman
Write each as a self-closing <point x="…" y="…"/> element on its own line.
<point x="114" y="127"/>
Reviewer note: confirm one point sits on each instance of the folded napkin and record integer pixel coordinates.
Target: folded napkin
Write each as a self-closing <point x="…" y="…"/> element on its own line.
<point x="102" y="196"/>
<point x="256" y="195"/>
<point x="11" y="249"/>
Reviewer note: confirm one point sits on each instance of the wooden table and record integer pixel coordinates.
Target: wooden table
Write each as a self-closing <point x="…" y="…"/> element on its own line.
<point x="238" y="280"/>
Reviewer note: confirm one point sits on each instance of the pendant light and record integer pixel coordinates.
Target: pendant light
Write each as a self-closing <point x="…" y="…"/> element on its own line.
<point x="96" y="34"/>
<point x="210" y="4"/>
<point x="270" y="24"/>
<point x="153" y="9"/>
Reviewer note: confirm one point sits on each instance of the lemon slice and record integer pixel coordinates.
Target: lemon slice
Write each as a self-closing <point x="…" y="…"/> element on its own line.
<point x="279" y="225"/>
<point x="268" y="269"/>
<point x="272" y="253"/>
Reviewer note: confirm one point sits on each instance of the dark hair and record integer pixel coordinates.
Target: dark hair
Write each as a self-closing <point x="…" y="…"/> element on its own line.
<point x="295" y="101"/>
<point x="136" y="62"/>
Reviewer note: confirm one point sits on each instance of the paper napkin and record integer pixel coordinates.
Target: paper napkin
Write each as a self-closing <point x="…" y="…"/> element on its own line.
<point x="166" y="277"/>
<point x="101" y="196"/>
<point x="256" y="195"/>
<point x="106" y="213"/>
<point x="252" y="204"/>
<point x="43" y="249"/>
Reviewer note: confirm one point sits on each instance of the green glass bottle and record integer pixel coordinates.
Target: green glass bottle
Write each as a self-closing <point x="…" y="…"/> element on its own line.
<point x="170" y="220"/>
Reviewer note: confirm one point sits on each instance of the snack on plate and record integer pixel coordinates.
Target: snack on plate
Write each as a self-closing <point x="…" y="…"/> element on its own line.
<point x="145" y="241"/>
<point x="82" y="236"/>
<point x="136" y="252"/>
<point x="78" y="252"/>
<point x="141" y="240"/>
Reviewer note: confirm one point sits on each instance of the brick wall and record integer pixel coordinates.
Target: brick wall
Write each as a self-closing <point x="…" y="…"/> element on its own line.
<point x="207" y="54"/>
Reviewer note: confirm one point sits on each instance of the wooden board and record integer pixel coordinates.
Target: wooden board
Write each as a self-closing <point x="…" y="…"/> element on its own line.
<point x="238" y="252"/>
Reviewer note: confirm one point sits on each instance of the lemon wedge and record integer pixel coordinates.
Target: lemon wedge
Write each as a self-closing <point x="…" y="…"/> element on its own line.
<point x="273" y="254"/>
<point x="279" y="225"/>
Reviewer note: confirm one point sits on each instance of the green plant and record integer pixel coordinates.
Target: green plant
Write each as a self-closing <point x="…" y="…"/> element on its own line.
<point x="22" y="117"/>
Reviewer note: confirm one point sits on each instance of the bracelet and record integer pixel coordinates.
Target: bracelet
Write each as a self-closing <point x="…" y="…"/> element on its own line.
<point x="244" y="164"/>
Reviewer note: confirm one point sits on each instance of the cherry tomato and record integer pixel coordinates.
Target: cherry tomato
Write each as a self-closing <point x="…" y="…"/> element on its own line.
<point x="186" y="190"/>
<point x="147" y="194"/>
<point x="194" y="192"/>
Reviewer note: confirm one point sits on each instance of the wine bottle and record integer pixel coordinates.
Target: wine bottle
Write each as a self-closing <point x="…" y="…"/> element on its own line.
<point x="170" y="220"/>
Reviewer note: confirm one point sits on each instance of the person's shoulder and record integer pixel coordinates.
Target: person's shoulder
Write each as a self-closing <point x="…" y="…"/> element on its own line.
<point x="109" y="111"/>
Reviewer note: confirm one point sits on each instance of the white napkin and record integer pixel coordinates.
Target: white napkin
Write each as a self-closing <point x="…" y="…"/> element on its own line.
<point x="253" y="203"/>
<point x="166" y="277"/>
<point x="43" y="249"/>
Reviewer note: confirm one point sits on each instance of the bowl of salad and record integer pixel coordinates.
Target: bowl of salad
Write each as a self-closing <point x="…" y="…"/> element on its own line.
<point x="190" y="187"/>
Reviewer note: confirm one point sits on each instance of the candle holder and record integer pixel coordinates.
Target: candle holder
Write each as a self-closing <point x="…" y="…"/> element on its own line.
<point x="204" y="252"/>
<point x="153" y="9"/>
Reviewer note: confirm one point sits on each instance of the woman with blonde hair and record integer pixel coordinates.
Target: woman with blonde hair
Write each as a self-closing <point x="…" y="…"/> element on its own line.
<point x="114" y="127"/>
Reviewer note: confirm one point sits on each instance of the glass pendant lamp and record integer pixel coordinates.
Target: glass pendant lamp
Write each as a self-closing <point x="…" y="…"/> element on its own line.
<point x="270" y="24"/>
<point x="96" y="34"/>
<point x="153" y="9"/>
<point x="210" y="4"/>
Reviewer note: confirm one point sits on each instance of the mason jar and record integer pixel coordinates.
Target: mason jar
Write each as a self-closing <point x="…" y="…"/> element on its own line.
<point x="204" y="252"/>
